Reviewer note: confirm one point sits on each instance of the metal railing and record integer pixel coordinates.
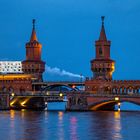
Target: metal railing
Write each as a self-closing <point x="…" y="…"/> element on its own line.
<point x="65" y="93"/>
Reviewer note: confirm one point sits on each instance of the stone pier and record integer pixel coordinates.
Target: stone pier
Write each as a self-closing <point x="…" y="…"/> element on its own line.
<point x="4" y="101"/>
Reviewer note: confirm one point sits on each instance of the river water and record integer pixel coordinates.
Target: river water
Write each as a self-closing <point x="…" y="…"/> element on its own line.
<point x="43" y="125"/>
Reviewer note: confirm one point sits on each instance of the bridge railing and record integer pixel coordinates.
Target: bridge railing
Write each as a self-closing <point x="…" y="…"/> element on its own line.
<point x="64" y="93"/>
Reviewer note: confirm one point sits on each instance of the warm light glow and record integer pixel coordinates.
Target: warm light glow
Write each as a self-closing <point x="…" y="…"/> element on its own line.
<point x="13" y="76"/>
<point x="47" y="93"/>
<point x="73" y="86"/>
<point x="12" y="102"/>
<point x="119" y="109"/>
<point x="119" y="104"/>
<point x="99" y="105"/>
<point x="60" y="114"/>
<point x="60" y="94"/>
<point x="24" y="102"/>
<point x="117" y="115"/>
<point x="12" y="114"/>
<point x="113" y="68"/>
<point x="13" y="94"/>
<point x="116" y="98"/>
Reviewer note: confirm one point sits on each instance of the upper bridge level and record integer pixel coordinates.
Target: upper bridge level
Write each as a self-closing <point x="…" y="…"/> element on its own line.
<point x="41" y="85"/>
<point x="70" y="83"/>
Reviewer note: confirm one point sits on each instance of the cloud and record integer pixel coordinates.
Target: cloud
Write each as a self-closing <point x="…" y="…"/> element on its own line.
<point x="58" y="71"/>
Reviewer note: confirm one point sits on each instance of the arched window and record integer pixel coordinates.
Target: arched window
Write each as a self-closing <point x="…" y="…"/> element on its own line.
<point x="100" y="51"/>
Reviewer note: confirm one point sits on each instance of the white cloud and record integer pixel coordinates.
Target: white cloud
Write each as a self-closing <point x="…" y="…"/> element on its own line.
<point x="58" y="71"/>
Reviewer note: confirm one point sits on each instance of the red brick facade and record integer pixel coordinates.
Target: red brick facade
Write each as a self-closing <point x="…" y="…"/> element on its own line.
<point x="33" y="63"/>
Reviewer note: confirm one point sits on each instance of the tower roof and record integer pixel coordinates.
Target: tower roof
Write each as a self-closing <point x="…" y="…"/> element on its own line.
<point x="33" y="35"/>
<point x="102" y="33"/>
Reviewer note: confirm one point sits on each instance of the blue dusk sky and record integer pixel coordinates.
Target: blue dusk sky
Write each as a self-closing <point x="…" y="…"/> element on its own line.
<point x="67" y="29"/>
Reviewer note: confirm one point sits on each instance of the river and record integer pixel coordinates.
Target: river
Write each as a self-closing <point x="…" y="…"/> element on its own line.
<point x="43" y="125"/>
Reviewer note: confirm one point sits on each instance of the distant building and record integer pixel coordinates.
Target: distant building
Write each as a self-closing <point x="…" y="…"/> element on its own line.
<point x="10" y="67"/>
<point x="16" y="76"/>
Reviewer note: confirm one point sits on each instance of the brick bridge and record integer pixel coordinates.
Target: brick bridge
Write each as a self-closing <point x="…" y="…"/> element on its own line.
<point x="76" y="100"/>
<point x="88" y="101"/>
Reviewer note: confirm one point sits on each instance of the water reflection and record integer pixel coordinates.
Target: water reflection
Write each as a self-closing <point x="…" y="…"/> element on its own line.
<point x="107" y="125"/>
<point x="117" y="126"/>
<point x="37" y="125"/>
<point x="73" y="128"/>
<point x="12" y="124"/>
<point x="12" y="114"/>
<point x="60" y="126"/>
<point x="25" y="125"/>
<point x="32" y="125"/>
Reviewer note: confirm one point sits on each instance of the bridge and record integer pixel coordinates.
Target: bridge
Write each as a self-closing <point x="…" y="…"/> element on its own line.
<point x="76" y="100"/>
<point x="40" y="85"/>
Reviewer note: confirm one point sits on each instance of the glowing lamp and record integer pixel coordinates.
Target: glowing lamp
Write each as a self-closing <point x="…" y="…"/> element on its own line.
<point x="47" y="93"/>
<point x="13" y="94"/>
<point x="116" y="98"/>
<point x="119" y="104"/>
<point x="60" y="94"/>
<point x="73" y="86"/>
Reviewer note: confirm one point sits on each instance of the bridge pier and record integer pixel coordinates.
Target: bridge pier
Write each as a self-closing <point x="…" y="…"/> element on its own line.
<point x="77" y="103"/>
<point x="28" y="102"/>
<point x="4" y="101"/>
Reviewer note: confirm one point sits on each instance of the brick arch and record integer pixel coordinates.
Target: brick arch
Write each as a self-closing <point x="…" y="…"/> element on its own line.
<point x="107" y="89"/>
<point x="53" y="86"/>
<point x="110" y="103"/>
<point x="115" y="89"/>
<point x="97" y="106"/>
<point x="122" y="89"/>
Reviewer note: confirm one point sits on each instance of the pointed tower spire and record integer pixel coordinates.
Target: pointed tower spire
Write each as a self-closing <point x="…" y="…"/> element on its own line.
<point x="33" y="35"/>
<point x="102" y="33"/>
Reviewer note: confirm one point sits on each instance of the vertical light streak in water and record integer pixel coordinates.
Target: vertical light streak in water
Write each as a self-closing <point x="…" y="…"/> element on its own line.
<point x="117" y="126"/>
<point x="12" y="124"/>
<point x="60" y="125"/>
<point x="73" y="128"/>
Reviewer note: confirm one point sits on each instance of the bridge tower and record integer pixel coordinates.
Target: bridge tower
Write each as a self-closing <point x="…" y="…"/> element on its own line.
<point x="33" y="63"/>
<point x="102" y="66"/>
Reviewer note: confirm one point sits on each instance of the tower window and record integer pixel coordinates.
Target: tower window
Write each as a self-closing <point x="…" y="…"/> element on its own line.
<point x="100" y="51"/>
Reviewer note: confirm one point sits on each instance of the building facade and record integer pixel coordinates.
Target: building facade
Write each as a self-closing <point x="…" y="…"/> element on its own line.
<point x="10" y="67"/>
<point x="103" y="67"/>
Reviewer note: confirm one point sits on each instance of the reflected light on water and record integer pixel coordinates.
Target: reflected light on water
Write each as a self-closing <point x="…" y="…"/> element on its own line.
<point x="60" y="115"/>
<point x="117" y="115"/>
<point x="12" y="114"/>
<point x="73" y="128"/>
<point x="23" y="113"/>
<point x="60" y="125"/>
<point x="12" y="123"/>
<point x="117" y="125"/>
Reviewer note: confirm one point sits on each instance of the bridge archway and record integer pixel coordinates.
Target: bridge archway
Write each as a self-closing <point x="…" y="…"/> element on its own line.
<point x="110" y="104"/>
<point x="59" y="87"/>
